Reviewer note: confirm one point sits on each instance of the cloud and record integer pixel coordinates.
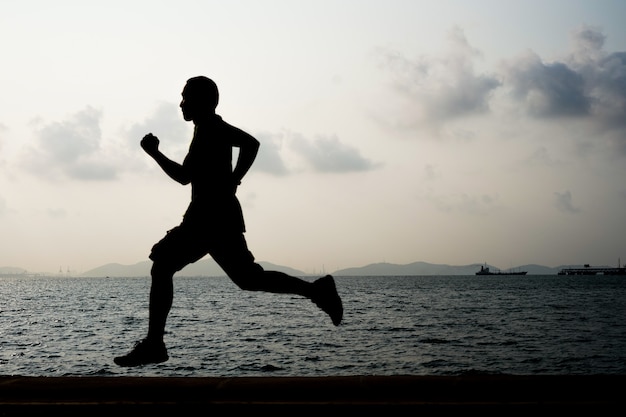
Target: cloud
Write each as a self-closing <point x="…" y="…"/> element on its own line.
<point x="269" y="159"/>
<point x="608" y="89"/>
<point x="547" y="90"/>
<point x="324" y="154"/>
<point x="56" y="213"/>
<point x="167" y="123"/>
<point x="431" y="173"/>
<point x="328" y="154"/>
<point x="3" y="206"/>
<point x="563" y="202"/>
<point x="588" y="84"/>
<point x="471" y="204"/>
<point x="70" y="149"/>
<point x="3" y="129"/>
<point x="279" y="153"/>
<point x="441" y="88"/>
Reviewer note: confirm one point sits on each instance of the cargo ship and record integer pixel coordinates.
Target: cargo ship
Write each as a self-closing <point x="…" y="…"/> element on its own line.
<point x="484" y="270"/>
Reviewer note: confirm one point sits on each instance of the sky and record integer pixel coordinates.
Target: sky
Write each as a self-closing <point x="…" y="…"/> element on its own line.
<point x="442" y="131"/>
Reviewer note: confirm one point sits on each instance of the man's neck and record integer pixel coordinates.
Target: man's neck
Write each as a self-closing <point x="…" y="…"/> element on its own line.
<point x="204" y="119"/>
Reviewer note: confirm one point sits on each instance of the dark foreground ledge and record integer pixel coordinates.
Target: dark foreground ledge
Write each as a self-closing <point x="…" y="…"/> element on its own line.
<point x="305" y="396"/>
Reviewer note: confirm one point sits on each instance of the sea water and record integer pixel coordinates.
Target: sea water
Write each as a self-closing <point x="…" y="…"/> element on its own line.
<point x="419" y="325"/>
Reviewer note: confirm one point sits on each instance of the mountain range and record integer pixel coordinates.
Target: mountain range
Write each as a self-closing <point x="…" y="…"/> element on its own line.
<point x="208" y="267"/>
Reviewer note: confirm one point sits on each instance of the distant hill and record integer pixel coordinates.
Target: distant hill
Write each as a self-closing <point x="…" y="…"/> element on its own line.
<point x="424" y="268"/>
<point x="208" y="267"/>
<point x="11" y="270"/>
<point x="205" y="267"/>
<point x="141" y="269"/>
<point x="415" y="268"/>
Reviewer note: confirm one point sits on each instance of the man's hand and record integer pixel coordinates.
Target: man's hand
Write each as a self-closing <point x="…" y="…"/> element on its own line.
<point x="150" y="144"/>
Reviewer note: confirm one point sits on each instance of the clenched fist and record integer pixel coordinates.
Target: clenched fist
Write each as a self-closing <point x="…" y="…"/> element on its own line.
<point x="150" y="144"/>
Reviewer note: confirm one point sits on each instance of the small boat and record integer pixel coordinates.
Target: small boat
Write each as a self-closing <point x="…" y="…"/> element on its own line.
<point x="484" y="270"/>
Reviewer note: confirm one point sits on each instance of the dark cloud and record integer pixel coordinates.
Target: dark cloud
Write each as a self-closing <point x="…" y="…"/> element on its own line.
<point x="548" y="89"/>
<point x="70" y="148"/>
<point x="587" y="83"/>
<point x="605" y="76"/>
<point x="563" y="202"/>
<point x="330" y="155"/>
<point x="441" y="88"/>
<point x="608" y="89"/>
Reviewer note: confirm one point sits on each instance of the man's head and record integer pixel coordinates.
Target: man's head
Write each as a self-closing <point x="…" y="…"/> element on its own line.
<point x="200" y="98"/>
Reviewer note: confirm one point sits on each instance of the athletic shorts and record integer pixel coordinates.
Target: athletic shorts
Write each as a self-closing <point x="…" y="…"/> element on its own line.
<point x="186" y="244"/>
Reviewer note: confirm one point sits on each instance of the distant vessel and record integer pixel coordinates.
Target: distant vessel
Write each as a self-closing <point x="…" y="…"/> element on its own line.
<point x="589" y="270"/>
<point x="484" y="270"/>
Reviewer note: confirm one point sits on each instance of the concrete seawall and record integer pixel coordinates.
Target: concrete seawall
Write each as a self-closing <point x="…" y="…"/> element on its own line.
<point x="308" y="396"/>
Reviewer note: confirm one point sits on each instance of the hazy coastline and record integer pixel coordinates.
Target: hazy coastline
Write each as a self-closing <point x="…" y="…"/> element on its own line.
<point x="208" y="267"/>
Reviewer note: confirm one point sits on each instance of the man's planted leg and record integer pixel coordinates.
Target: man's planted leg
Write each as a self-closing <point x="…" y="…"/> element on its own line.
<point x="152" y="349"/>
<point x="161" y="298"/>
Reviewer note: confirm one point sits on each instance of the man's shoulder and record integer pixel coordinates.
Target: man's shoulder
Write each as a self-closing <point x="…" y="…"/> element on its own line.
<point x="220" y="122"/>
<point x="231" y="130"/>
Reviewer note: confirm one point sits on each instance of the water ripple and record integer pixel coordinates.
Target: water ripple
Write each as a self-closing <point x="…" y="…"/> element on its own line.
<point x="393" y="325"/>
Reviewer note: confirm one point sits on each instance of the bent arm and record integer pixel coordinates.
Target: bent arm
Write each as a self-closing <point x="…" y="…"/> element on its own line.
<point x="174" y="170"/>
<point x="248" y="149"/>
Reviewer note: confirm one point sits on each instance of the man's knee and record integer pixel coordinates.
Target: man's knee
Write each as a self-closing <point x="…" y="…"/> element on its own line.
<point x="162" y="271"/>
<point x="248" y="279"/>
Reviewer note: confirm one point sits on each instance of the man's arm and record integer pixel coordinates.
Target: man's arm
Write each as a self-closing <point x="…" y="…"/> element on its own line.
<point x="248" y="149"/>
<point x="174" y="170"/>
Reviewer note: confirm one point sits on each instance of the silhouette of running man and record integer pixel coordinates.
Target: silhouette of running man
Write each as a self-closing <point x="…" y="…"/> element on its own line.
<point x="213" y="223"/>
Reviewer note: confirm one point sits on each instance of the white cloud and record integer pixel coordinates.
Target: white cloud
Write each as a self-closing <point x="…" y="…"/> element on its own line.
<point x="280" y="152"/>
<point x="70" y="149"/>
<point x="167" y="123"/>
<point x="3" y="129"/>
<point x="3" y="206"/>
<point x="440" y="88"/>
<point x="56" y="213"/>
<point x="269" y="159"/>
<point x="328" y="154"/>
<point x="466" y="203"/>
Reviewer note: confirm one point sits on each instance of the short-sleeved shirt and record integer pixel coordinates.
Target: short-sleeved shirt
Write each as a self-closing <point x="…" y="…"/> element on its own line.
<point x="213" y="222"/>
<point x="209" y="160"/>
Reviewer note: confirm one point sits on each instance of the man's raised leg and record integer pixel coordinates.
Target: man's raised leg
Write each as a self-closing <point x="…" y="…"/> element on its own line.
<point x="322" y="291"/>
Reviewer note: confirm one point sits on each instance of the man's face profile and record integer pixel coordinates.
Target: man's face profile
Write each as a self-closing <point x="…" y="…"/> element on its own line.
<point x="189" y="104"/>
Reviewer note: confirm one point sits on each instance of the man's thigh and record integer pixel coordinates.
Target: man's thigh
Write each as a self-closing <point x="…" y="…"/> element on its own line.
<point x="232" y="254"/>
<point x="178" y="248"/>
